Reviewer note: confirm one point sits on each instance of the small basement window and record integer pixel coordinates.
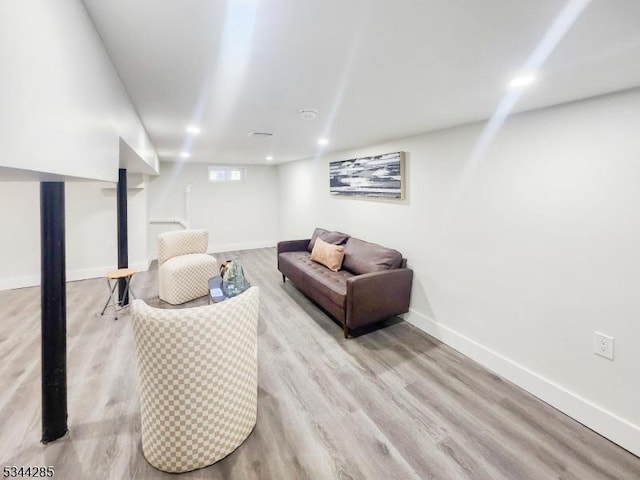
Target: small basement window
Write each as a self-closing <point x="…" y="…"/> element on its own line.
<point x="219" y="173"/>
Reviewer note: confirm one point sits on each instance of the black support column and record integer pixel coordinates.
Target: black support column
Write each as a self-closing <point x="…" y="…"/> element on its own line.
<point x="54" y="311"/>
<point x="123" y="247"/>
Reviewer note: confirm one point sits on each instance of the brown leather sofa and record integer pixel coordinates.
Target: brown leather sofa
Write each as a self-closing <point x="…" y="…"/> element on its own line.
<point x="373" y="284"/>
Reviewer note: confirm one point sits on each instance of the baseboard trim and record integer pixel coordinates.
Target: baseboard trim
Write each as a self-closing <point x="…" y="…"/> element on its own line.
<point x="87" y="273"/>
<point x="19" y="282"/>
<point x="72" y="276"/>
<point x="606" y="423"/>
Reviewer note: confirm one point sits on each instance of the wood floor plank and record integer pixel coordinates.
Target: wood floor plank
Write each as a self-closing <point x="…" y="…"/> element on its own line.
<point x="393" y="403"/>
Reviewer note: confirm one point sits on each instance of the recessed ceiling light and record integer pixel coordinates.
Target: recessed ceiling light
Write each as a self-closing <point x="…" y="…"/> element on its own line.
<point x="269" y="158"/>
<point x="323" y="141"/>
<point x="193" y="129"/>
<point x="185" y="154"/>
<point x="522" y="81"/>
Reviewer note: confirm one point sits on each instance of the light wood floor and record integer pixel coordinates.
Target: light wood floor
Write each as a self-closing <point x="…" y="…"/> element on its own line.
<point x="391" y="404"/>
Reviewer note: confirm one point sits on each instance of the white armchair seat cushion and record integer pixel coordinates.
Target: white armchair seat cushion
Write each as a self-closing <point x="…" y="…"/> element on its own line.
<point x="186" y="277"/>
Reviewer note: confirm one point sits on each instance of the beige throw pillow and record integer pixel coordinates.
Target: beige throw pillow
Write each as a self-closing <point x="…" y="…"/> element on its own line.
<point x="329" y="255"/>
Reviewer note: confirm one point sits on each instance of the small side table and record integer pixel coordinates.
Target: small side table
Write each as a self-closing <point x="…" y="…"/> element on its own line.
<point x="216" y="295"/>
<point x="114" y="276"/>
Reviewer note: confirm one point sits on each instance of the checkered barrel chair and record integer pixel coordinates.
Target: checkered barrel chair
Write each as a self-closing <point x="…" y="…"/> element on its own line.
<point x="198" y="372"/>
<point x="184" y="268"/>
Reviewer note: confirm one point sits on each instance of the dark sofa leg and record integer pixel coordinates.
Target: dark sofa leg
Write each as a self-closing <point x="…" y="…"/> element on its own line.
<point x="345" y="329"/>
<point x="284" y="279"/>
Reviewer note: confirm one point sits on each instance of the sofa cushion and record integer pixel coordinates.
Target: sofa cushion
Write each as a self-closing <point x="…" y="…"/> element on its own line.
<point x="300" y="268"/>
<point x="364" y="257"/>
<point x="335" y="238"/>
<point x="330" y="256"/>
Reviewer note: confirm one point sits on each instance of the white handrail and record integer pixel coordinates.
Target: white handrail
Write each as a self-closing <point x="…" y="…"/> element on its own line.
<point x="183" y="222"/>
<point x="178" y="221"/>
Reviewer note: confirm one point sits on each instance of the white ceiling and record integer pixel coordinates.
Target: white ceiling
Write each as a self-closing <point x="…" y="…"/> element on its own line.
<point x="374" y="69"/>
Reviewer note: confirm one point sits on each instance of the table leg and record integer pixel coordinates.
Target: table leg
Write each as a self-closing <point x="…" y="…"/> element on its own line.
<point x="110" y="298"/>
<point x="113" y="299"/>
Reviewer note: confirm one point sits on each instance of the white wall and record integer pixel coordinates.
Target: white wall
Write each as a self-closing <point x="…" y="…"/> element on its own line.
<point x="64" y="107"/>
<point x="238" y="216"/>
<point x="91" y="231"/>
<point x="520" y="258"/>
<point x="91" y="220"/>
<point x="64" y="112"/>
<point x="20" y="238"/>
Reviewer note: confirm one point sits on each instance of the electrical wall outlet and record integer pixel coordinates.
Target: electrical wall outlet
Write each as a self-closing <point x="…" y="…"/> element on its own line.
<point x="603" y="345"/>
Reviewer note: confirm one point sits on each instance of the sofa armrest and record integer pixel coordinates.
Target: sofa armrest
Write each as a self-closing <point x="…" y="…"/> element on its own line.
<point x="293" y="245"/>
<point x="378" y="295"/>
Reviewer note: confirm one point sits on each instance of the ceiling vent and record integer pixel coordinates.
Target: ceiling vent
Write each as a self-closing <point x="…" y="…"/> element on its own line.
<point x="308" y="114"/>
<point x="260" y="134"/>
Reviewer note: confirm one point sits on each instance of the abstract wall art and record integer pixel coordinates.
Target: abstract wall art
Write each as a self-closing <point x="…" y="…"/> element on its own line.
<point x="380" y="176"/>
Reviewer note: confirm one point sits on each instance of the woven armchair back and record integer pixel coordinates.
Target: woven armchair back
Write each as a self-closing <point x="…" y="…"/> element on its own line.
<point x="182" y="242"/>
<point x="198" y="373"/>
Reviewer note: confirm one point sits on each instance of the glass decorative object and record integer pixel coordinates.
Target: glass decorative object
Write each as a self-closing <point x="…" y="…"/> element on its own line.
<point x="233" y="279"/>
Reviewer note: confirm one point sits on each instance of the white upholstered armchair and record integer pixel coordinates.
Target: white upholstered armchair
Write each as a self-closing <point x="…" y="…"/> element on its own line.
<point x="198" y="372"/>
<point x="184" y="268"/>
